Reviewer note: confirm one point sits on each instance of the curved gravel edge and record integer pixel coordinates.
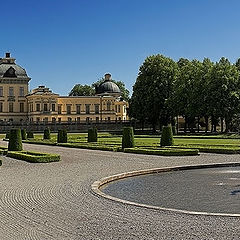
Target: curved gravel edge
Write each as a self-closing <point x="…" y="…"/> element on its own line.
<point x="97" y="184"/>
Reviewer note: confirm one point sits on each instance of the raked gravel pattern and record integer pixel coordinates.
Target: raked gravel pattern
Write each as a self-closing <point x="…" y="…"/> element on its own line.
<point x="55" y="200"/>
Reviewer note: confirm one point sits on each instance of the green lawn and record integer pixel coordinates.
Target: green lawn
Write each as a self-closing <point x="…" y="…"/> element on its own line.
<point x="148" y="141"/>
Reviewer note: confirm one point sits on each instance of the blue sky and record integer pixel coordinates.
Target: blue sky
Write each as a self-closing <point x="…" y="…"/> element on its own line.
<point x="64" y="42"/>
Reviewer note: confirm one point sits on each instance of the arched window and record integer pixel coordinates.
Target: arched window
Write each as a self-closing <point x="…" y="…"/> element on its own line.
<point x="108" y="106"/>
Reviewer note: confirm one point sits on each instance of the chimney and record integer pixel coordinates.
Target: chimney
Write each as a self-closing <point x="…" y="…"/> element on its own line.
<point x="8" y="55"/>
<point x="107" y="77"/>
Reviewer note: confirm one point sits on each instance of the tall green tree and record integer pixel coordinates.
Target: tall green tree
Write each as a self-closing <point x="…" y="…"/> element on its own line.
<point x="186" y="91"/>
<point x="225" y="92"/>
<point x="82" y="90"/>
<point x="153" y="90"/>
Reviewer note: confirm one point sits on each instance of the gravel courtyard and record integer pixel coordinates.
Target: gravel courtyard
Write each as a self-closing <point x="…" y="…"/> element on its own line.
<point x="55" y="201"/>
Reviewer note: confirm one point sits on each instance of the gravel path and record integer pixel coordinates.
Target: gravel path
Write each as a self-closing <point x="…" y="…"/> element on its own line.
<point x="55" y="201"/>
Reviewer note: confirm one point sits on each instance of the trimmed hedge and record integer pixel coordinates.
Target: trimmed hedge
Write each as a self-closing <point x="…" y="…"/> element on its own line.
<point x="15" y="140"/>
<point x="211" y="149"/>
<point x="92" y="135"/>
<point x="30" y="134"/>
<point x="24" y="134"/>
<point x="90" y="146"/>
<point x="128" y="138"/>
<point x="163" y="152"/>
<point x="167" y="136"/>
<point x="47" y="134"/>
<point x="62" y="136"/>
<point x="40" y="142"/>
<point x="34" y="157"/>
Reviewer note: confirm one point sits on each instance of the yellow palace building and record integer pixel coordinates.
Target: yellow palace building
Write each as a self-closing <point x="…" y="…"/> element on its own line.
<point x="18" y="105"/>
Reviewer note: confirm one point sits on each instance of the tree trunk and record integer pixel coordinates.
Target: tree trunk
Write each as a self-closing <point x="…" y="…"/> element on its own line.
<point x="221" y="124"/>
<point x="206" y="122"/>
<point x="198" y="121"/>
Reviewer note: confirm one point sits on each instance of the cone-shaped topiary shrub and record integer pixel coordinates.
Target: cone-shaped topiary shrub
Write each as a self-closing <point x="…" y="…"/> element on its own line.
<point x="30" y="134"/>
<point x="47" y="134"/>
<point x="24" y="134"/>
<point x="167" y="136"/>
<point x="92" y="134"/>
<point x="62" y="136"/>
<point x="128" y="138"/>
<point x="15" y="140"/>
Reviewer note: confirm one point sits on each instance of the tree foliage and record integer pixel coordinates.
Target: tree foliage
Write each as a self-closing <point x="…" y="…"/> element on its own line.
<point x="152" y="92"/>
<point x="192" y="89"/>
<point x="82" y="90"/>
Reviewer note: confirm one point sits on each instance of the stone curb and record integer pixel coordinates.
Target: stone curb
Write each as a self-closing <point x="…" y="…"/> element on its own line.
<point x="97" y="184"/>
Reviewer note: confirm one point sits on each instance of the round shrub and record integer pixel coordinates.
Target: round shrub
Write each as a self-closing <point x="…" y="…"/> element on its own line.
<point x="92" y="134"/>
<point x="47" y="134"/>
<point x="15" y="140"/>
<point x="62" y="136"/>
<point x="167" y="136"/>
<point x="128" y="138"/>
<point x="30" y="134"/>
<point x="24" y="134"/>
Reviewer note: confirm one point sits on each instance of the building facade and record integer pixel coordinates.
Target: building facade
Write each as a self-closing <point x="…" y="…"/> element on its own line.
<point x="42" y="105"/>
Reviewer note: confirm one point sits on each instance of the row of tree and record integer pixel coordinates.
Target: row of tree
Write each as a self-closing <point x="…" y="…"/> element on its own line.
<point x="193" y="89"/>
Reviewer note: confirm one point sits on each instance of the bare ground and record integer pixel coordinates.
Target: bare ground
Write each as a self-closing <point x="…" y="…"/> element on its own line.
<point x="55" y="201"/>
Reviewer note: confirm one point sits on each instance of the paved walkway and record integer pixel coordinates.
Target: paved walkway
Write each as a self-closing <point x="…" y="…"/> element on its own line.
<point x="55" y="201"/>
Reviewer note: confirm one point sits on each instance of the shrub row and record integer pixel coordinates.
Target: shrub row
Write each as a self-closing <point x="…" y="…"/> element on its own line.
<point x="30" y="134"/>
<point x="47" y="134"/>
<point x="90" y="146"/>
<point x="34" y="157"/>
<point x="163" y="152"/>
<point x="92" y="134"/>
<point x="128" y="138"/>
<point x="62" y="136"/>
<point x="15" y="140"/>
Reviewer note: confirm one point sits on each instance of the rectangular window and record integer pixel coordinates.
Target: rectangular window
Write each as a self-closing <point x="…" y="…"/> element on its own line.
<point x="59" y="120"/>
<point x="21" y="91"/>
<point x="1" y="107"/>
<point x="11" y="92"/>
<point x="97" y="119"/>
<point x="10" y="107"/>
<point x="53" y="120"/>
<point x="109" y="119"/>
<point x="119" y="108"/>
<point x="78" y="110"/>
<point x="78" y="119"/>
<point x="1" y="91"/>
<point x="69" y="120"/>
<point x="53" y="107"/>
<point x="87" y="108"/>
<point x="38" y="107"/>
<point x="46" y="119"/>
<point x="45" y="107"/>
<point x="21" y="107"/>
<point x="97" y="108"/>
<point x="68" y="109"/>
<point x="38" y="119"/>
<point x="59" y="109"/>
<point x="87" y="119"/>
